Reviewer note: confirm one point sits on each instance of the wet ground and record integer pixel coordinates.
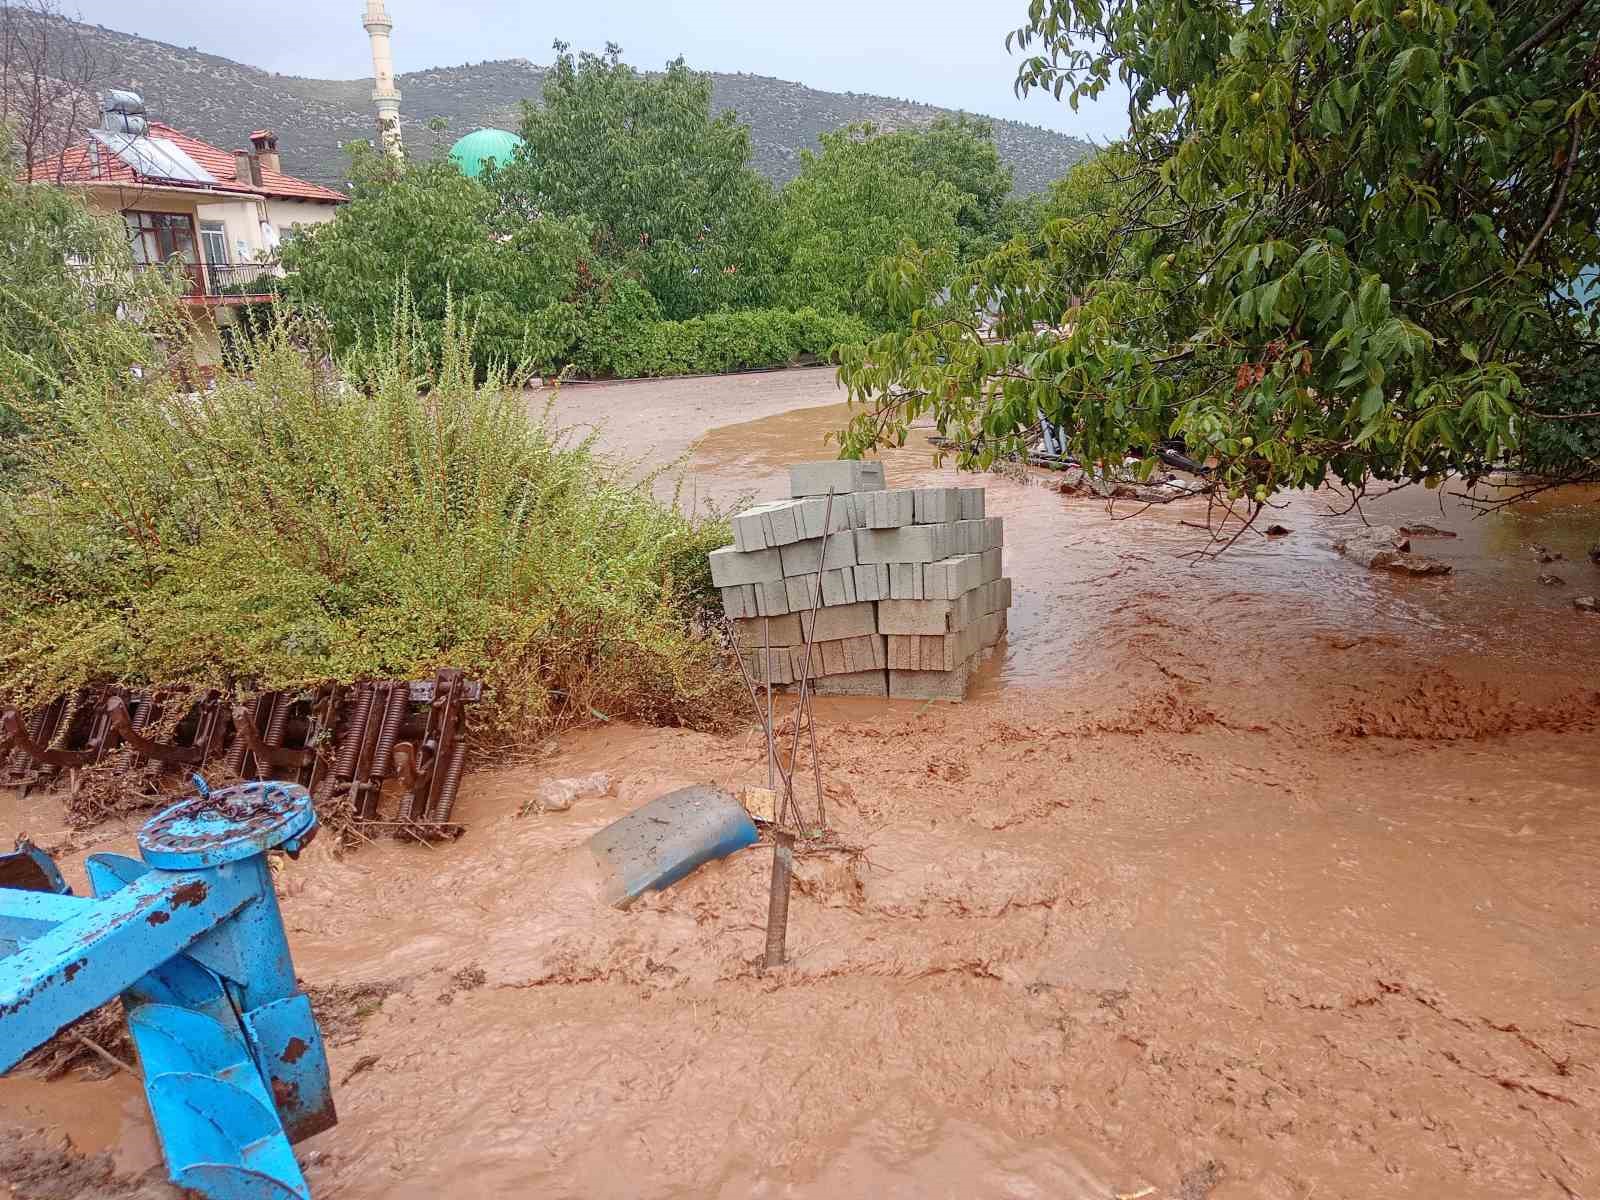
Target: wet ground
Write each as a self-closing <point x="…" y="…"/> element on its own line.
<point x="1267" y="876"/>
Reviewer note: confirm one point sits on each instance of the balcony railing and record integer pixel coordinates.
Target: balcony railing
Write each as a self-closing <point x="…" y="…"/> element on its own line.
<point x="221" y="282"/>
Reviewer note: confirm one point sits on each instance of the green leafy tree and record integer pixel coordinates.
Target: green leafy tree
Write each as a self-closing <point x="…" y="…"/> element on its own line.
<point x="70" y="303"/>
<point x="854" y="205"/>
<point x="960" y="150"/>
<point x="667" y="185"/>
<point x="1336" y="243"/>
<point x="445" y="240"/>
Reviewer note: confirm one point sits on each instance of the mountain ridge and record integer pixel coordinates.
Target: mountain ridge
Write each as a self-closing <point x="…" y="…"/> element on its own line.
<point x="222" y="100"/>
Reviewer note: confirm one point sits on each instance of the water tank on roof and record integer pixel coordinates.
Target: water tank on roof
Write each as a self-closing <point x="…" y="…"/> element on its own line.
<point x="473" y="153"/>
<point x="123" y="112"/>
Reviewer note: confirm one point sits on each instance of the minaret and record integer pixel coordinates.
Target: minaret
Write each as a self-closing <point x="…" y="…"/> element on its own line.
<point x="384" y="94"/>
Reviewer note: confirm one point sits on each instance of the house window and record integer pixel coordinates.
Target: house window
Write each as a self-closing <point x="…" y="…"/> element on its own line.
<point x="155" y="237"/>
<point x="214" y="241"/>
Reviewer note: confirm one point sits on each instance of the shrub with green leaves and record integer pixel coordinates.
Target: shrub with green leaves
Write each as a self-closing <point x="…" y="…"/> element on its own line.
<point x="719" y="342"/>
<point x="292" y="527"/>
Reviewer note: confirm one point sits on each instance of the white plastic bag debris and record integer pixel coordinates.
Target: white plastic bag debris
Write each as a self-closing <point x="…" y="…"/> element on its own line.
<point x="557" y="795"/>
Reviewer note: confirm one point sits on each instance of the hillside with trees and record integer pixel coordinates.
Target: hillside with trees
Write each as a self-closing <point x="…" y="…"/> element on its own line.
<point x="221" y="100"/>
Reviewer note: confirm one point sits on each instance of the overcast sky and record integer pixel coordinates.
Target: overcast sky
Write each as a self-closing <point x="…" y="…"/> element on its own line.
<point x="945" y="52"/>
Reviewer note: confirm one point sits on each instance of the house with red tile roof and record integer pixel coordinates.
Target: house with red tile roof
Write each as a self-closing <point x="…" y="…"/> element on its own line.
<point x="213" y="216"/>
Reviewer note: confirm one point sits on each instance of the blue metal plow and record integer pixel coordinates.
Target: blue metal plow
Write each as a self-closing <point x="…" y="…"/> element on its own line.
<point x="190" y="937"/>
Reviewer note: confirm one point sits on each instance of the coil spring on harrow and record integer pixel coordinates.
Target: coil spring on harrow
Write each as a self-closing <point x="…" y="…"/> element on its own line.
<point x="341" y="739"/>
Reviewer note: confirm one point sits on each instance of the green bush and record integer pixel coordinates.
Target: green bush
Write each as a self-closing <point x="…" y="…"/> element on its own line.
<point x="288" y="528"/>
<point x="715" y="343"/>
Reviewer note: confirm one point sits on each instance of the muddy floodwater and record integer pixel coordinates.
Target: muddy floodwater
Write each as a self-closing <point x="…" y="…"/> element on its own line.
<point x="1262" y="877"/>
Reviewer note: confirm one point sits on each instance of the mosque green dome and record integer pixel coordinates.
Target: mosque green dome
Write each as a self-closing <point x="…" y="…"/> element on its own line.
<point x="472" y="153"/>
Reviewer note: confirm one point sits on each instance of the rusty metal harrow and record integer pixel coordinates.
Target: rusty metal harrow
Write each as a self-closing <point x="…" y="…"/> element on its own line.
<point x="340" y="740"/>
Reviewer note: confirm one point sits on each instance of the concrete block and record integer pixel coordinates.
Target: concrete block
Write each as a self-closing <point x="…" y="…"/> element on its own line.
<point x="840" y="656"/>
<point x="749" y="530"/>
<point x="801" y="557"/>
<point x="772" y="598"/>
<point x="838" y="587"/>
<point x="996" y="535"/>
<point x="930" y="617"/>
<point x="951" y="578"/>
<point x="840" y="474"/>
<point x="972" y="537"/>
<point x="889" y="509"/>
<point x="905" y="581"/>
<point x="996" y="596"/>
<point x="779" y="631"/>
<point x="992" y="627"/>
<point x="844" y="621"/>
<point x="931" y="685"/>
<point x="856" y="683"/>
<point x="991" y="564"/>
<point x="971" y="503"/>
<point x="776" y="523"/>
<point x="731" y="567"/>
<point x="938" y="505"/>
<point x="872" y="581"/>
<point x="779" y="664"/>
<point x="782" y="521"/>
<point x="869" y="653"/>
<point x="941" y="653"/>
<point x="811" y="512"/>
<point x="910" y="544"/>
<point x="739" y="601"/>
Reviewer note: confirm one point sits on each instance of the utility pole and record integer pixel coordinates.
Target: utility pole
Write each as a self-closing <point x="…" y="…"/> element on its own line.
<point x="384" y="94"/>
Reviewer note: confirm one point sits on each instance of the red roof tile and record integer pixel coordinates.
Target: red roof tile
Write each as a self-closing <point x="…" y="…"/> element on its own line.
<point x="76" y="164"/>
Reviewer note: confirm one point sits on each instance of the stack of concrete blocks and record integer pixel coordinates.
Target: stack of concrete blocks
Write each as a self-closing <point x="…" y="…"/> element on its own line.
<point x="912" y="587"/>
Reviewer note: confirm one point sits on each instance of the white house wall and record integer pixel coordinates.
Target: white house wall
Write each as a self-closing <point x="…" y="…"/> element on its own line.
<point x="242" y="218"/>
<point x="247" y="242"/>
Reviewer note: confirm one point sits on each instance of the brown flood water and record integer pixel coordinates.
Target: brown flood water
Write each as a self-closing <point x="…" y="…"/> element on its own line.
<point x="1262" y="877"/>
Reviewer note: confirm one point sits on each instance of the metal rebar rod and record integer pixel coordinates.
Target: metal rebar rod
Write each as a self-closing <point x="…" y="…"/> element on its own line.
<point x="766" y="667"/>
<point x="762" y="717"/>
<point x="816" y="762"/>
<point x="810" y="639"/>
<point x="778" y="904"/>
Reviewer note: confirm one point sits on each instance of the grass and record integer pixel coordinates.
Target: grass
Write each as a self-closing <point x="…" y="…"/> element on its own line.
<point x="296" y="525"/>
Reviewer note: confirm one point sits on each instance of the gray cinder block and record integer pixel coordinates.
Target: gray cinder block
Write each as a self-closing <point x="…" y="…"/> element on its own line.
<point x="992" y="628"/>
<point x="889" y="509"/>
<point x="856" y="683"/>
<point x="739" y="601"/>
<point x="843" y="621"/>
<point x="951" y="578"/>
<point x="838" y="587"/>
<point x="910" y="544"/>
<point x="872" y="581"/>
<point x="905" y="581"/>
<point x="731" y="567"/>
<point x="938" y="505"/>
<point x="772" y="598"/>
<point x="812" y="511"/>
<point x="801" y="557"/>
<point x="840" y="656"/>
<point x="778" y="631"/>
<point x="779" y="665"/>
<point x="840" y="474"/>
<point x="942" y="653"/>
<point x="971" y="503"/>
<point x="930" y="685"/>
<point x="935" y="617"/>
<point x="991" y="564"/>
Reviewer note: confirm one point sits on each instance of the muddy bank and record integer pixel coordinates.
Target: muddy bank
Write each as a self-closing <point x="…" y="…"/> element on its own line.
<point x="1263" y="877"/>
